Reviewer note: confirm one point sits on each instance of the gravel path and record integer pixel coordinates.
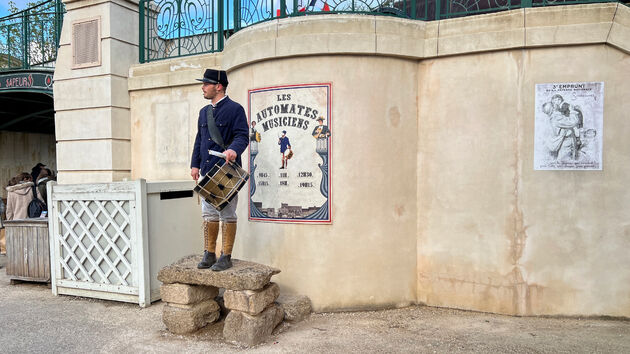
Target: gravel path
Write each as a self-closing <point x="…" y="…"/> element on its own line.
<point x="32" y="320"/>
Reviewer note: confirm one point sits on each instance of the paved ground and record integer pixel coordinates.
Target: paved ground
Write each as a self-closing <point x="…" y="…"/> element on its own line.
<point x="32" y="320"/>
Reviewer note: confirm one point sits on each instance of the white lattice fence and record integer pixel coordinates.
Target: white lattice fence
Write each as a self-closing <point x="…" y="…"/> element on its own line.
<point x="98" y="247"/>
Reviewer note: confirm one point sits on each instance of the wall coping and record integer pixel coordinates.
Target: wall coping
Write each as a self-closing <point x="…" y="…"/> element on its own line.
<point x="180" y="71"/>
<point x="605" y="23"/>
<point x="602" y="23"/>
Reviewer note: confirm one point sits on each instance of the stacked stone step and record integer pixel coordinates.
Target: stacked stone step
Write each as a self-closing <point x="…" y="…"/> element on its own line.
<point x="249" y="295"/>
<point x="189" y="307"/>
<point x="253" y="314"/>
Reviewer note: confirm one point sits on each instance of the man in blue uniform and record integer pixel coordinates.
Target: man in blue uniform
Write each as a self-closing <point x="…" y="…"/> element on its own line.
<point x="285" y="145"/>
<point x="228" y="133"/>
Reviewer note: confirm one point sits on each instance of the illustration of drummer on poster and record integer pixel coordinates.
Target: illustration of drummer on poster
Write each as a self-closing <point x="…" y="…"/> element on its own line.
<point x="289" y="165"/>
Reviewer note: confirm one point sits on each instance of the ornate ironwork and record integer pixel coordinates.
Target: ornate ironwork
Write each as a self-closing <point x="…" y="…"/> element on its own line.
<point x="455" y="8"/>
<point x="177" y="28"/>
<point x="356" y="5"/>
<point x="30" y="38"/>
<point x="400" y="8"/>
<point x="171" y="28"/>
<point x="255" y="11"/>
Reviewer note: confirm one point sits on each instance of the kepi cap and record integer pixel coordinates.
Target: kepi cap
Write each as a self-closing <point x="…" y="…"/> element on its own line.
<point x="215" y="77"/>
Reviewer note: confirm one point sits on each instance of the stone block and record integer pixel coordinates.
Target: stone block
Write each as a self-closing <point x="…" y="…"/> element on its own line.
<point x="95" y="123"/>
<point x="250" y="301"/>
<point x="295" y="307"/>
<point x="552" y="16"/>
<point x="252" y="43"/>
<point x="242" y="276"/>
<point x="83" y="176"/>
<point x="243" y="329"/>
<point x="326" y="34"/>
<point x="168" y="73"/>
<point x="620" y="31"/>
<point x="501" y="30"/>
<point x="400" y="37"/>
<point x="562" y="25"/>
<point x="187" y="294"/>
<point x="324" y="24"/>
<point x="76" y="155"/>
<point x="187" y="320"/>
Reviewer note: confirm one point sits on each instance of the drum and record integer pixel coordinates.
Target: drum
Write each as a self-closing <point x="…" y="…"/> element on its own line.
<point x="221" y="184"/>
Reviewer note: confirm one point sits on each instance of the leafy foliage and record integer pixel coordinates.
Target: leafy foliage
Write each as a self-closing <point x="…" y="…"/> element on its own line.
<point x="30" y="37"/>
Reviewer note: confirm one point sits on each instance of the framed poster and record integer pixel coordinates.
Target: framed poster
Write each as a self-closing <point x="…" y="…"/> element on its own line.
<point x="289" y="153"/>
<point x="569" y="123"/>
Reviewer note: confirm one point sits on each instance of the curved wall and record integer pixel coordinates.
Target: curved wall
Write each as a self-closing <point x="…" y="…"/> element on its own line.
<point x="435" y="199"/>
<point x="366" y="257"/>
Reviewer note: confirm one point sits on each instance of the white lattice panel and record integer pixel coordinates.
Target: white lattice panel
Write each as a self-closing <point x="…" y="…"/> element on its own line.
<point x="97" y="244"/>
<point x="95" y="237"/>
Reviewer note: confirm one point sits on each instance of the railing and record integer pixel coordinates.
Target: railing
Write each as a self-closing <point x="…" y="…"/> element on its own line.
<point x="175" y="28"/>
<point x="30" y="38"/>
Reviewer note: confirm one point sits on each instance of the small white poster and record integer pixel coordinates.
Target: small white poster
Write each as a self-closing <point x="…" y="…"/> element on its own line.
<point x="569" y="122"/>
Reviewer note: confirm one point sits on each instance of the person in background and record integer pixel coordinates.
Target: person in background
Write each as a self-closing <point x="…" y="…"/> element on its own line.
<point x="19" y="195"/>
<point x="51" y="175"/>
<point x="42" y="179"/>
<point x="36" y="170"/>
<point x="2" y="210"/>
<point x="3" y="242"/>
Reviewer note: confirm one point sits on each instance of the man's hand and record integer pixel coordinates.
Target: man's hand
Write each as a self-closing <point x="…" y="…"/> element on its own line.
<point x="194" y="172"/>
<point x="230" y="155"/>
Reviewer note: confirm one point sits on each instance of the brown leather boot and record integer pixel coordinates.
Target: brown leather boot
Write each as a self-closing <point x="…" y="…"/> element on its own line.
<point x="210" y="234"/>
<point x="228" y="235"/>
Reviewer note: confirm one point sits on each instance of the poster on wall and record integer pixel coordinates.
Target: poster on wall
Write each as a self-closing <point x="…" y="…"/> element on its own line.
<point x="289" y="153"/>
<point x="569" y="122"/>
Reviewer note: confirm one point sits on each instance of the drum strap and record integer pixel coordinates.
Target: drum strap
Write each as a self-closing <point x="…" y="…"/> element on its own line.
<point x="212" y="128"/>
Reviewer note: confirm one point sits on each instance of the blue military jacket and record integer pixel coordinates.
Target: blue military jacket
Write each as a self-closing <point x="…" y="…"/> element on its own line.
<point x="231" y="121"/>
<point x="284" y="144"/>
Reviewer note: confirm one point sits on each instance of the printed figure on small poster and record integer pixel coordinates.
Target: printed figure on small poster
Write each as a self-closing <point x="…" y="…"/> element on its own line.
<point x="568" y="126"/>
<point x="290" y="145"/>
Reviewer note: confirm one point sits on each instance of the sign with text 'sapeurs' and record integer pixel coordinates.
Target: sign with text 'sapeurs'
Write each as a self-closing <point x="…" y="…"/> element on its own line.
<point x="289" y="155"/>
<point x="26" y="81"/>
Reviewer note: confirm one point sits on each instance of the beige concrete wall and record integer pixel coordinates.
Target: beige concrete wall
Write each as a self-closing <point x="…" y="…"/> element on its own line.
<point x="465" y="183"/>
<point x="339" y="265"/>
<point x="165" y="103"/>
<point x="19" y="152"/>
<point x="468" y="223"/>
<point x="92" y="119"/>
<point x="495" y="235"/>
<point x="362" y="260"/>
